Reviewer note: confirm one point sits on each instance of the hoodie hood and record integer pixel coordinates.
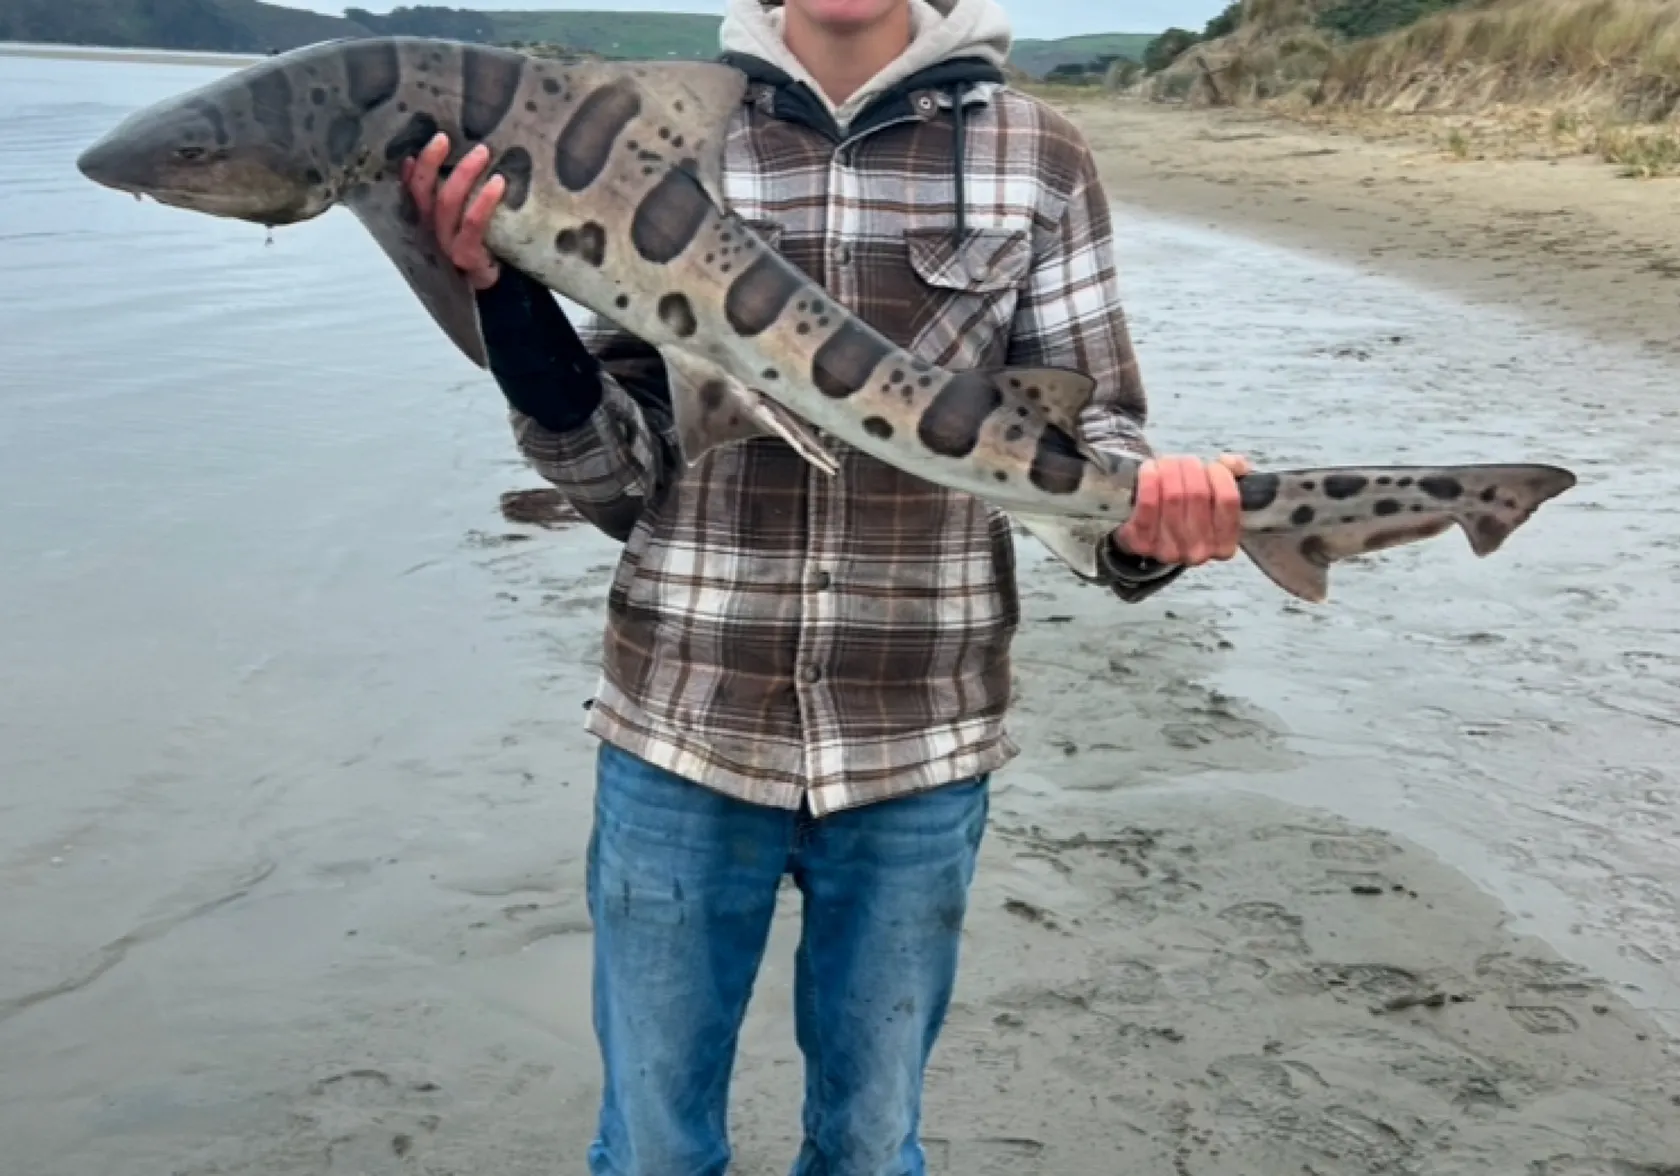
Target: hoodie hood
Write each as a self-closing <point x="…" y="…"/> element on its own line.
<point x="939" y="31"/>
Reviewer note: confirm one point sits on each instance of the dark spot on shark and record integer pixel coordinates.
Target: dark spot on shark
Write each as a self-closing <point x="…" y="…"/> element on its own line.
<point x="343" y="134"/>
<point x="373" y="71"/>
<point x="1441" y="487"/>
<point x="771" y="374"/>
<point x="550" y="86"/>
<point x="951" y="424"/>
<point x="878" y="427"/>
<point x="1344" y="485"/>
<point x="1314" y="550"/>
<point x="588" y="241"/>
<point x="676" y="141"/>
<point x="318" y="95"/>
<point x="847" y="358"/>
<point x="407" y="210"/>
<point x="1257" y="491"/>
<point x="757" y="298"/>
<point x="1491" y="493"/>
<point x="676" y="313"/>
<point x="713" y="394"/>
<point x="1404" y="482"/>
<point x="489" y="84"/>
<point x="1057" y="466"/>
<point x="1014" y="433"/>
<point x="1000" y="475"/>
<point x="414" y="135"/>
<point x="803" y="328"/>
<point x="622" y="301"/>
<point x="1302" y="515"/>
<point x="669" y="217"/>
<point x="585" y="143"/>
<point x="1386" y="506"/>
<point x="271" y="101"/>
<point x="515" y="167"/>
<point x="313" y="177"/>
<point x="665" y="133"/>
<point x="1377" y="540"/>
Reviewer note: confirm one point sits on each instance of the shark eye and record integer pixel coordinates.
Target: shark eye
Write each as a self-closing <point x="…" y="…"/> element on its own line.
<point x="189" y="153"/>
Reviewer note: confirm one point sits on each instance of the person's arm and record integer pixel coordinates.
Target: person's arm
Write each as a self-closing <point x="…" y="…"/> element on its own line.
<point x="590" y="408"/>
<point x="1069" y="316"/>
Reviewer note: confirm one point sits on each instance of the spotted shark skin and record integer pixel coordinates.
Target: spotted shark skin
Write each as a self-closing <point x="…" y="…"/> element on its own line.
<point x="614" y="200"/>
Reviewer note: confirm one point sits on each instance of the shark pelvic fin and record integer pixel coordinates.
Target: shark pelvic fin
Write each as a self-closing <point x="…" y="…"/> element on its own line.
<point x="386" y="212"/>
<point x="710" y="408"/>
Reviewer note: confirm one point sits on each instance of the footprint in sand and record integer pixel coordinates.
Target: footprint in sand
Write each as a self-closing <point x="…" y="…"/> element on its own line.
<point x="1543" y="1019"/>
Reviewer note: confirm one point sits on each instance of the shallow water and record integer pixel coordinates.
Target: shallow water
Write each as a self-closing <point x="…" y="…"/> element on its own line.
<point x="289" y="728"/>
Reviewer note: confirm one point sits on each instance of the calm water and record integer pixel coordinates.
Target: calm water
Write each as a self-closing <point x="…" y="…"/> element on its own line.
<point x="268" y="656"/>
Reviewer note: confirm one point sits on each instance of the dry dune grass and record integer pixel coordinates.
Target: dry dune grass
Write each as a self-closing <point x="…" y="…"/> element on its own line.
<point x="1605" y="74"/>
<point x="1621" y="53"/>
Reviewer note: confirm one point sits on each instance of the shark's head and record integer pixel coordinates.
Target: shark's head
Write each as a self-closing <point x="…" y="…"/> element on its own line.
<point x="217" y="151"/>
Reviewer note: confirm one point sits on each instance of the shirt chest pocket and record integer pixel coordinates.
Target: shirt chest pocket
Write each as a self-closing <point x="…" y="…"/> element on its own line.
<point x="967" y="292"/>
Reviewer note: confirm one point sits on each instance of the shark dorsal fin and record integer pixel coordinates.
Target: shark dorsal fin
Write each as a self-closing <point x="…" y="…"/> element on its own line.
<point x="1061" y="394"/>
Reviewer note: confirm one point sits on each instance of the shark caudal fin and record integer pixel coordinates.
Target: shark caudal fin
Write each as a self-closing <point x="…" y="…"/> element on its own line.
<point x="1297" y="524"/>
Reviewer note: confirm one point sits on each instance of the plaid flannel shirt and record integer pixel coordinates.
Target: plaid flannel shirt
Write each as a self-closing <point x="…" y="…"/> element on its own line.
<point x="788" y="637"/>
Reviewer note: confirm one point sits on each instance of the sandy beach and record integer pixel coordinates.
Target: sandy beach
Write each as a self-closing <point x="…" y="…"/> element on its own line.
<point x="312" y="900"/>
<point x="1561" y="236"/>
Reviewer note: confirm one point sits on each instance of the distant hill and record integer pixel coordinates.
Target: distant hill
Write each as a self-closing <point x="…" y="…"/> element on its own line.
<point x="1040" y="57"/>
<point x="228" y="26"/>
<point x="248" y="26"/>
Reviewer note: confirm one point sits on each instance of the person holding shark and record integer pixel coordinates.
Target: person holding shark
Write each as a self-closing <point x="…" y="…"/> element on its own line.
<point x="809" y="674"/>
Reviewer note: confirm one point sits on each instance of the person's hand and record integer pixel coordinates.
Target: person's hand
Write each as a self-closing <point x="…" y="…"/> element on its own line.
<point x="457" y="224"/>
<point x="1188" y="510"/>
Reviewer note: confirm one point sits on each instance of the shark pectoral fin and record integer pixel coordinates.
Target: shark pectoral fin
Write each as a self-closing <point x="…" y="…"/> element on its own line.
<point x="710" y="408"/>
<point x="1074" y="541"/>
<point x="387" y="213"/>
<point x="1060" y="393"/>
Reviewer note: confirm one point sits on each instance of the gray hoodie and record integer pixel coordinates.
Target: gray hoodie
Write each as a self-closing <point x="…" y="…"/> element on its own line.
<point x="940" y="30"/>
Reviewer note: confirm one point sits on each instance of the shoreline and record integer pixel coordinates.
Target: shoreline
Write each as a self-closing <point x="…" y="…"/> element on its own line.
<point x="131" y="56"/>
<point x="1564" y="239"/>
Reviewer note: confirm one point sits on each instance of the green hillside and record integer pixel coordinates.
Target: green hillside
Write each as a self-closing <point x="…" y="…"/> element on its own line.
<point x="248" y="26"/>
<point x="1040" y="57"/>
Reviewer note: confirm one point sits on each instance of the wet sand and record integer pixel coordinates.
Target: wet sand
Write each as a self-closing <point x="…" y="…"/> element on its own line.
<point x="294" y="797"/>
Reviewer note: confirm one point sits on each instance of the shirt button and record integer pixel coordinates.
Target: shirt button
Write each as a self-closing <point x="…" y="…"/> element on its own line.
<point x="809" y="674"/>
<point x="821" y="581"/>
<point x="841" y="253"/>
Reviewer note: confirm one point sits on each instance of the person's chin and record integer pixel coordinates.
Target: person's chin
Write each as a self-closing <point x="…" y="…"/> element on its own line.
<point x="846" y="15"/>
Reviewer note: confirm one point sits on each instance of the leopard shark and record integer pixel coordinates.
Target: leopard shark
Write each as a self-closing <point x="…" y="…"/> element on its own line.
<point x="614" y="199"/>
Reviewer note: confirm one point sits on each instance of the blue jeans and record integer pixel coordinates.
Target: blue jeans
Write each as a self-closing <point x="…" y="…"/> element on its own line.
<point x="682" y="886"/>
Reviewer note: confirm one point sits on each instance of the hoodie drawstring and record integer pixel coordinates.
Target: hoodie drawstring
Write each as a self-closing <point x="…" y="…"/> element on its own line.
<point x="958" y="150"/>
